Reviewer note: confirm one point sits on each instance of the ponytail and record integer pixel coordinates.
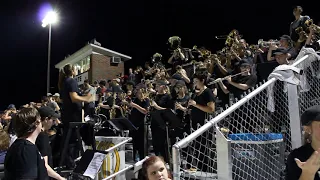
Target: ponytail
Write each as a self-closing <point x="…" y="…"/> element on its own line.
<point x="62" y="78"/>
<point x="64" y="73"/>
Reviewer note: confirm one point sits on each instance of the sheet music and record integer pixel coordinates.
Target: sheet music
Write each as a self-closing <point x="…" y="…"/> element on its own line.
<point x="94" y="165"/>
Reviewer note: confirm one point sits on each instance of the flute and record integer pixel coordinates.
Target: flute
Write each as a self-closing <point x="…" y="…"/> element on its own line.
<point x="217" y="80"/>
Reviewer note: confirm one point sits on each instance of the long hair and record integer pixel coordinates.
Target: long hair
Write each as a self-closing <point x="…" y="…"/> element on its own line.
<point x="63" y="74"/>
<point x="4" y="140"/>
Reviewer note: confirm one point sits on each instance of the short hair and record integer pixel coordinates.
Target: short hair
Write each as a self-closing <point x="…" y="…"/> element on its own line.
<point x="298" y="8"/>
<point x="25" y="121"/>
<point x="201" y="73"/>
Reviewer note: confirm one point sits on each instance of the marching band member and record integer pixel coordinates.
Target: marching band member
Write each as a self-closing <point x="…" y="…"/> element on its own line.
<point x="163" y="101"/>
<point x="201" y="104"/>
<point x="140" y="107"/>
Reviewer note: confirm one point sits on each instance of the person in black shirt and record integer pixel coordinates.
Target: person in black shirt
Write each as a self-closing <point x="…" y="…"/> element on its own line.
<point x="162" y="102"/>
<point x="203" y="100"/>
<point x="140" y="106"/>
<point x="303" y="163"/>
<point x="181" y="103"/>
<point x="237" y="86"/>
<point x="107" y="103"/>
<point x="298" y="22"/>
<point x="176" y="59"/>
<point x="47" y="117"/>
<point x="286" y="43"/>
<point x="69" y="90"/>
<point x="71" y="104"/>
<point x="23" y="160"/>
<point x="201" y="104"/>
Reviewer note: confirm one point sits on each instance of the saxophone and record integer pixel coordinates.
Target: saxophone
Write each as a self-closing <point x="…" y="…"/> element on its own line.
<point x="113" y="111"/>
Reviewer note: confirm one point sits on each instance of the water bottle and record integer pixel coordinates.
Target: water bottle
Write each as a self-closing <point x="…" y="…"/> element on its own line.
<point x="137" y="158"/>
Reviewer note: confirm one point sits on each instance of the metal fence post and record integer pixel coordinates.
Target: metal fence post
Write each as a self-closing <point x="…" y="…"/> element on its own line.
<point x="224" y="160"/>
<point x="294" y="114"/>
<point x="176" y="160"/>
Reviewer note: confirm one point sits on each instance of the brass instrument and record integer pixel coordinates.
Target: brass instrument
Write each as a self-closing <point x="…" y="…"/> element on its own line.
<point x="309" y="23"/>
<point x="125" y="101"/>
<point x="113" y="111"/>
<point x="263" y="43"/>
<point x="205" y="53"/>
<point x="299" y="30"/>
<point x="231" y="38"/>
<point x="254" y="48"/>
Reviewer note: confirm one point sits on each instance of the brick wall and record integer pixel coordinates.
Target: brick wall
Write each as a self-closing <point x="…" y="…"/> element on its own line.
<point x="101" y="68"/>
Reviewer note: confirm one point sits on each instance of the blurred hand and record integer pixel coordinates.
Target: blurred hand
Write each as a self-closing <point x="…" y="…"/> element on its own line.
<point x="178" y="106"/>
<point x="273" y="46"/>
<point x="192" y="103"/>
<point x="228" y="78"/>
<point x="312" y="165"/>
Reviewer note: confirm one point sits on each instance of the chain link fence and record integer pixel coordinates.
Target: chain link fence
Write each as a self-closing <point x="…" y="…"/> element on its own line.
<point x="309" y="94"/>
<point x="255" y="135"/>
<point x="251" y="139"/>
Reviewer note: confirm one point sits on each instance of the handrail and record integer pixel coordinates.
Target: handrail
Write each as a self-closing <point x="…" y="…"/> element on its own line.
<point x="120" y="144"/>
<point x="137" y="164"/>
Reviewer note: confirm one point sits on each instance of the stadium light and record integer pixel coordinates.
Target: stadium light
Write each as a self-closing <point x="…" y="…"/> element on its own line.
<point x="49" y="19"/>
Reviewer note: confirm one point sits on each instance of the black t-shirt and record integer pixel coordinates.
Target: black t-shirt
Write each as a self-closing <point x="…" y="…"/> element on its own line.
<point x="164" y="100"/>
<point x="24" y="161"/>
<point x="198" y="116"/>
<point x="136" y="117"/>
<point x="44" y="147"/>
<point x="250" y="80"/>
<point x="70" y="109"/>
<point x="302" y="153"/>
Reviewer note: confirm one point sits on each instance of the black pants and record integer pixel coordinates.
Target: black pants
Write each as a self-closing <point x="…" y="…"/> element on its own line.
<point x="159" y="135"/>
<point x="138" y="139"/>
<point x="159" y="142"/>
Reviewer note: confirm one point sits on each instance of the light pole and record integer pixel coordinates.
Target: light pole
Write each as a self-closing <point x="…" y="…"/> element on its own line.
<point x="49" y="19"/>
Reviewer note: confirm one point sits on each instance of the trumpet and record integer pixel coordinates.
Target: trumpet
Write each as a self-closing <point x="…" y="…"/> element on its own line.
<point x="309" y="23"/>
<point x="261" y="42"/>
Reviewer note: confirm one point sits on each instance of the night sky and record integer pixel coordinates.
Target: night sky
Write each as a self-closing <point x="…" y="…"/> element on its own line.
<point x="133" y="27"/>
